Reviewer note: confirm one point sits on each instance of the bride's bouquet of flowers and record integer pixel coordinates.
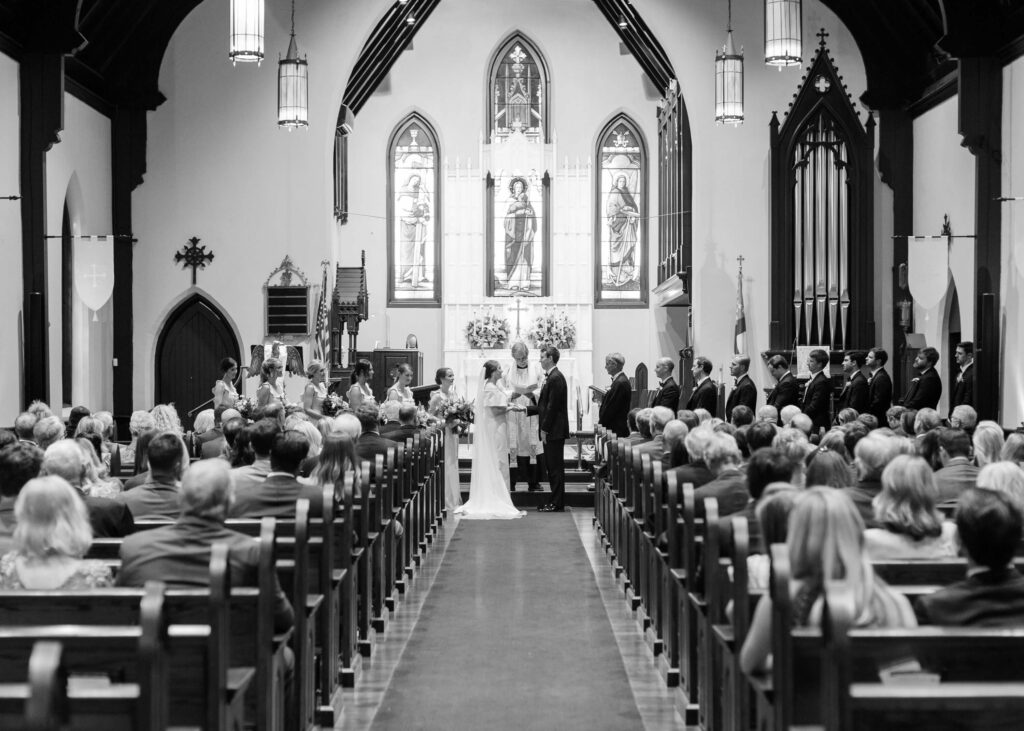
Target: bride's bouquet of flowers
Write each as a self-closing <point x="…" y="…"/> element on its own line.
<point x="487" y="330"/>
<point x="552" y="328"/>
<point x="458" y="414"/>
<point x="332" y="405"/>
<point x="246" y="406"/>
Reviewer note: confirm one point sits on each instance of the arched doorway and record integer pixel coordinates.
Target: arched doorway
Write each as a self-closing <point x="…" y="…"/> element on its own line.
<point x="189" y="350"/>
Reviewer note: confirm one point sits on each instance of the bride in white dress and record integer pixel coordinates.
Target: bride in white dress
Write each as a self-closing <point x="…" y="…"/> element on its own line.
<point x="489" y="484"/>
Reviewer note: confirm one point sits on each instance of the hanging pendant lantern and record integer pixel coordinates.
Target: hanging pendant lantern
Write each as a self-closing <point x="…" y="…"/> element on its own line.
<point x="292" y="86"/>
<point x="729" y="84"/>
<point x="246" y="31"/>
<point x="783" y="32"/>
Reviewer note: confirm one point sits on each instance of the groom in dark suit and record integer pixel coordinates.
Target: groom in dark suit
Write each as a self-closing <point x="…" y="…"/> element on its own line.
<point x="553" y="411"/>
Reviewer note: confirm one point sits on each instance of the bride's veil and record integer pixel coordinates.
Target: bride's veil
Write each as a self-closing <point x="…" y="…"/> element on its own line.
<point x="480" y="419"/>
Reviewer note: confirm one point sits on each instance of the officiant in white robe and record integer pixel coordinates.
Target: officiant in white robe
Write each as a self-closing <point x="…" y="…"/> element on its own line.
<point x="523" y="381"/>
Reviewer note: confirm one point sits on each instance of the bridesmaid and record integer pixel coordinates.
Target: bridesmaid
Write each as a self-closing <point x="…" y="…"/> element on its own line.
<point x="269" y="390"/>
<point x="224" y="393"/>
<point x="360" y="393"/>
<point x="401" y="391"/>
<point x="315" y="392"/>
<point x="445" y="378"/>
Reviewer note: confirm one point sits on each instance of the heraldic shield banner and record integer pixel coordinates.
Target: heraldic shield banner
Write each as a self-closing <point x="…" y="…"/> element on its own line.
<point x="94" y="270"/>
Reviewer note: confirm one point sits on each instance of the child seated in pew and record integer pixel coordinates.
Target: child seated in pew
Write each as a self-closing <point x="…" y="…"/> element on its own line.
<point x="992" y="594"/>
<point x="50" y="538"/>
<point x="825" y="541"/>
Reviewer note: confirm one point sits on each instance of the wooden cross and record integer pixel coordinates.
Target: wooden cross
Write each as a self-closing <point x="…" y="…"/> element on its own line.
<point x="194" y="256"/>
<point x="518" y="308"/>
<point x="94" y="275"/>
<point x="822" y="35"/>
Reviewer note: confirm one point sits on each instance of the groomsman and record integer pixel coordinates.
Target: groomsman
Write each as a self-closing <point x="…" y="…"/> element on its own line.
<point x="963" y="392"/>
<point x="879" y="385"/>
<point x="925" y="390"/>
<point x="744" y="392"/>
<point x="817" y="391"/>
<point x="668" y="391"/>
<point x="552" y="410"/>
<point x="786" y="390"/>
<point x="705" y="395"/>
<point x="615" y="402"/>
<point x="855" y="391"/>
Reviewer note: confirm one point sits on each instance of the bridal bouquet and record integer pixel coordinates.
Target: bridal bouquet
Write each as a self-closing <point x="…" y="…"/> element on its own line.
<point x="487" y="330"/>
<point x="458" y="414"/>
<point x="552" y="328"/>
<point x="246" y="406"/>
<point x="332" y="405"/>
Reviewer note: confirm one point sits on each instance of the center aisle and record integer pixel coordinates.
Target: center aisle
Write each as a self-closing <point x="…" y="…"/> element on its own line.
<point x="513" y="634"/>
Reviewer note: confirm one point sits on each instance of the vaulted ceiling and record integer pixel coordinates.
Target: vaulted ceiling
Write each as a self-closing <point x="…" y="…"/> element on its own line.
<point x="910" y="47"/>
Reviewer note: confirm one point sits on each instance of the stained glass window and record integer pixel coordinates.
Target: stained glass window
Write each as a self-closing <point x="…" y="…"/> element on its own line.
<point x="518" y="91"/>
<point x="414" y="255"/>
<point x="621" y="208"/>
<point x="518" y="253"/>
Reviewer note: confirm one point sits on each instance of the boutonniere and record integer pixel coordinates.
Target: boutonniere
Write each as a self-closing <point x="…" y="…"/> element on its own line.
<point x="916" y="379"/>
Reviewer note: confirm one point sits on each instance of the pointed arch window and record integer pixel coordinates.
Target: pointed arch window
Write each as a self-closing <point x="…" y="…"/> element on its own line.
<point x="414" y="206"/>
<point x="620" y="239"/>
<point x="518" y="91"/>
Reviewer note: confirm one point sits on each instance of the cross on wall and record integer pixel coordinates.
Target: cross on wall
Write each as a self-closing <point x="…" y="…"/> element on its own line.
<point x="518" y="308"/>
<point x="194" y="256"/>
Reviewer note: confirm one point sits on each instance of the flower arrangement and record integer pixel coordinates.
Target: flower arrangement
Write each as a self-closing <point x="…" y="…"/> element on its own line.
<point x="458" y="414"/>
<point x="487" y="330"/>
<point x="332" y="405"/>
<point x="552" y="328"/>
<point x="246" y="406"/>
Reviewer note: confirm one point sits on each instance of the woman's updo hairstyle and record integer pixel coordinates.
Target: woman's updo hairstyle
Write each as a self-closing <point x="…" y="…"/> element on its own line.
<point x="362" y="368"/>
<point x="489" y="368"/>
<point x="269" y="366"/>
<point x="227" y="364"/>
<point x="440" y="375"/>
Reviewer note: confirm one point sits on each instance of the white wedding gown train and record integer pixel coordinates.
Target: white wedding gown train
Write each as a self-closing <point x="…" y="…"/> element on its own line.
<point x="489" y="497"/>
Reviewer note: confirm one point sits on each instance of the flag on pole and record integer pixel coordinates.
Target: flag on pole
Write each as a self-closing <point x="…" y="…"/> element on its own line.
<point x="322" y="334"/>
<point x="740" y="340"/>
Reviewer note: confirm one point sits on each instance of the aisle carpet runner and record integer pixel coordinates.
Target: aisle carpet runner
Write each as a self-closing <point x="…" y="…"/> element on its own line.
<point x="513" y="635"/>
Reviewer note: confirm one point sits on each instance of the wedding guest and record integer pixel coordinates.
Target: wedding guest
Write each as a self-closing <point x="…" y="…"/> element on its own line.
<point x="525" y="448"/>
<point x="408" y="425"/>
<point x="141" y="466"/>
<point x="786" y="391"/>
<point x="957" y="472"/>
<point x="270" y="390"/>
<point x="315" y="440"/>
<point x="50" y="539"/>
<point x="744" y="392"/>
<point x="729" y="485"/>
<point x="94" y="483"/>
<point x="741" y="416"/>
<point x="828" y="469"/>
<point x="926" y="388"/>
<point x="348" y="423"/>
<point x="871" y="455"/>
<point x="166" y="418"/>
<point x="76" y="415"/>
<point x="360" y="391"/>
<point x="48" y="430"/>
<point x="643" y="425"/>
<point x="825" y="542"/>
<point x="855" y="389"/>
<point x="108" y="518"/>
<point x="869" y="421"/>
<point x="141" y="421"/>
<point x="660" y="416"/>
<point x="202" y="426"/>
<point x="761" y="434"/>
<point x="767" y="466"/>
<point x="817" y="391"/>
<point x="158" y="497"/>
<point x="787" y="415"/>
<point x="232" y="428"/>
<point x="401" y="389"/>
<point x="389" y="416"/>
<point x="689" y="418"/>
<point x="907" y="421"/>
<point x="1006" y="478"/>
<point x="23" y="425"/>
<point x="964" y="417"/>
<point x="19" y="463"/>
<point x="615" y="401"/>
<point x="224" y="393"/>
<point x="835" y="441"/>
<point x="675" y="448"/>
<point x="879" y="384"/>
<point x="632" y="424"/>
<point x="315" y="392"/>
<point x="909" y="523"/>
<point x="211" y="443"/>
<point x="240" y="453"/>
<point x="771" y="516"/>
<point x="370" y="442"/>
<point x="261" y="439"/>
<point x="992" y="594"/>
<point x="988" y="442"/>
<point x="926" y="420"/>
<point x="337" y="458"/>
<point x="667" y="394"/>
<point x="769" y="414"/>
<point x="804" y="423"/>
<point x="846" y="416"/>
<point x="41" y="409"/>
<point x="1013" y="449"/>
<point x="278" y="493"/>
<point x="705" y="392"/>
<point x="963" y="390"/>
<point x="695" y="471"/>
<point x="894" y="418"/>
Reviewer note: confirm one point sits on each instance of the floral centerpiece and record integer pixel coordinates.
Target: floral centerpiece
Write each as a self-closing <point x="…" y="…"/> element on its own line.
<point x="458" y="414"/>
<point x="552" y="328"/>
<point x="487" y="330"/>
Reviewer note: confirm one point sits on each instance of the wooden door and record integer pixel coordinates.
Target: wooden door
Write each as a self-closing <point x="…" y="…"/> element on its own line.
<point x="189" y="350"/>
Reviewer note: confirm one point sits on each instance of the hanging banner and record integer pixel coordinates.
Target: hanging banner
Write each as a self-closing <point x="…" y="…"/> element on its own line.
<point x="927" y="269"/>
<point x="94" y="269"/>
<point x="961" y="267"/>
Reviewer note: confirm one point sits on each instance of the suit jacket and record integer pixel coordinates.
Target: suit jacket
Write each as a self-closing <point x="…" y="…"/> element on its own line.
<point x="816" y="398"/>
<point x="863" y="494"/>
<point x="402" y="433"/>
<point x="371" y="444"/>
<point x="963" y="391"/>
<point x="786" y="392"/>
<point x="152" y="500"/>
<point x="654" y="447"/>
<point x="552" y="407"/>
<point x="880" y="395"/>
<point x="212" y="448"/>
<point x="276" y="496"/>
<point x="704" y="396"/>
<point x="954" y="478"/>
<point x="179" y="555"/>
<point x="854" y="395"/>
<point x="615" y="405"/>
<point x="696" y="473"/>
<point x="986" y="599"/>
<point x="924" y="391"/>
<point x="250" y="476"/>
<point x="667" y="395"/>
<point x="744" y="393"/>
<point x="730" y="488"/>
<point x="135" y="480"/>
<point x="108" y="519"/>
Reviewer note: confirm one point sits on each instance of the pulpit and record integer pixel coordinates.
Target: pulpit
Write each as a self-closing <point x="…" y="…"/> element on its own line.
<point x="349" y="306"/>
<point x="385" y="368"/>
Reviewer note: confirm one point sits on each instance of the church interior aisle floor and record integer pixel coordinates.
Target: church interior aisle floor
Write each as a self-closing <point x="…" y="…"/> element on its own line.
<point x="513" y="625"/>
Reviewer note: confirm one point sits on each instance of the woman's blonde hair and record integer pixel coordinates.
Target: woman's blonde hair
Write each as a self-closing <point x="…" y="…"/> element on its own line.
<point x="314" y="367"/>
<point x="337" y="457"/>
<point x="268" y="367"/>
<point x="165" y="418"/>
<point x="906" y="504"/>
<point x="52" y="520"/>
<point x="988" y="442"/>
<point x="1004" y="477"/>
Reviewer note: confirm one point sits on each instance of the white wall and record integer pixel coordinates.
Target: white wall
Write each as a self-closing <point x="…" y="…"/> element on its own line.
<point x="1012" y="279"/>
<point x="218" y="167"/>
<point x="11" y="290"/>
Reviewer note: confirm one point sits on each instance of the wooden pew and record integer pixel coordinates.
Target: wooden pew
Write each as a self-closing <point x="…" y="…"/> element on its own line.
<point x="981" y="673"/>
<point x="45" y="655"/>
<point x="207" y="689"/>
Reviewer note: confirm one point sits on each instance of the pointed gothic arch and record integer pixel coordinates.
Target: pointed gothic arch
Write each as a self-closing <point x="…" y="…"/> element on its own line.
<point x="620" y="215"/>
<point x="822" y="270"/>
<point x="518" y="90"/>
<point x="414" y="209"/>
